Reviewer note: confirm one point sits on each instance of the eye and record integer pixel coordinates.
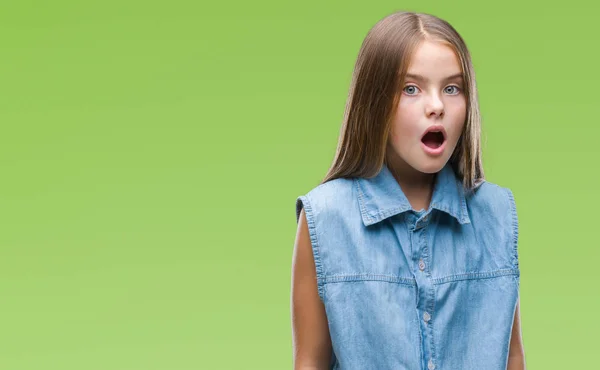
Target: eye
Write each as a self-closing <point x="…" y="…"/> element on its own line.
<point x="456" y="90"/>
<point x="413" y="87"/>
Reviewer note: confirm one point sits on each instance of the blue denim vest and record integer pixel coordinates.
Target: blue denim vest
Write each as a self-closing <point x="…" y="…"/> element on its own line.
<point x="407" y="289"/>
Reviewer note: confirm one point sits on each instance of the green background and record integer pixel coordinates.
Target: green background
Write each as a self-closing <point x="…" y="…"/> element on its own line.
<point x="151" y="154"/>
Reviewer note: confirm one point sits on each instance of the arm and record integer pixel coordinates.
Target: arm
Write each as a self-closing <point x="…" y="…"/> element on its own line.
<point x="310" y="331"/>
<point x="516" y="356"/>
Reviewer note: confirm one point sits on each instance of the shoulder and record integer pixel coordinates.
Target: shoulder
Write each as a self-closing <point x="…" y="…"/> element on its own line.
<point x="493" y="207"/>
<point x="492" y="197"/>
<point x="332" y="196"/>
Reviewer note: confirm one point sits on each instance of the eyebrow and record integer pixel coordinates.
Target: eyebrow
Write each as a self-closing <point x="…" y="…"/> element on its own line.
<point x="423" y="78"/>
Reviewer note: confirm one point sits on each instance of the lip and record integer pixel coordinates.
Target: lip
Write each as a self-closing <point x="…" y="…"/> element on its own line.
<point x="440" y="149"/>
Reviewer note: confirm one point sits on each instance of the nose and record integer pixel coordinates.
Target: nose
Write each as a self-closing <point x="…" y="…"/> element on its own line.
<point x="435" y="106"/>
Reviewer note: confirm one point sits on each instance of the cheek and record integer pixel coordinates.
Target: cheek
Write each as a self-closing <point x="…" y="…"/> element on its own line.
<point x="461" y="109"/>
<point x="395" y="131"/>
<point x="408" y="111"/>
<point x="406" y="122"/>
<point x="459" y="115"/>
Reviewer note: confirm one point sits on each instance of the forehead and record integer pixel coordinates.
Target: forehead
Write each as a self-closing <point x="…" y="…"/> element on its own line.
<point x="434" y="60"/>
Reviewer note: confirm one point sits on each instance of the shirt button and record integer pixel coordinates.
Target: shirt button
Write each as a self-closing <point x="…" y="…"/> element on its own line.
<point x="421" y="265"/>
<point x="426" y="316"/>
<point x="430" y="365"/>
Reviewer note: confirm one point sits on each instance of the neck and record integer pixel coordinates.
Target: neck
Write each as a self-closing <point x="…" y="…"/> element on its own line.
<point x="416" y="186"/>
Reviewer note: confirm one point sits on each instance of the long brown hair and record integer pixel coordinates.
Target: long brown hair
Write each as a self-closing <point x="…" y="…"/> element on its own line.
<point x="380" y="69"/>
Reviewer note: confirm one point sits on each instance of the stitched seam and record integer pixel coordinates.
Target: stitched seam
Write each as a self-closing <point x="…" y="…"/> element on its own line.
<point x="369" y="277"/>
<point x="363" y="211"/>
<point x="476" y="276"/>
<point x="315" y="245"/>
<point x="392" y="211"/>
<point x="515" y="228"/>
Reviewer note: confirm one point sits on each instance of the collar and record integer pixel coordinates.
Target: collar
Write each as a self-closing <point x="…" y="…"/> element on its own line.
<point x="381" y="197"/>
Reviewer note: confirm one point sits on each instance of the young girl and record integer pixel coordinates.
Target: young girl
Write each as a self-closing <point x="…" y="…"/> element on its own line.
<point x="405" y="256"/>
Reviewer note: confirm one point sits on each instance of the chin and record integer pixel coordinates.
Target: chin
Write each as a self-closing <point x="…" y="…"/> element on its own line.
<point x="431" y="166"/>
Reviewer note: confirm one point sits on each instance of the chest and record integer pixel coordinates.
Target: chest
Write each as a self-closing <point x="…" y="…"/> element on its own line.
<point x="419" y="291"/>
<point x="411" y="243"/>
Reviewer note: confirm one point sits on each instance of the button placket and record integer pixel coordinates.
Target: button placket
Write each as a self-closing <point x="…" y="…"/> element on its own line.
<point x="419" y="239"/>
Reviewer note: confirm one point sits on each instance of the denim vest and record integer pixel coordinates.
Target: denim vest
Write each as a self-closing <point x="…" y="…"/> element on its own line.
<point x="406" y="289"/>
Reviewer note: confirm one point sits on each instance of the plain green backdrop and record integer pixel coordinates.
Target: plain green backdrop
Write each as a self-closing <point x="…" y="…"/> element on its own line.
<point x="151" y="154"/>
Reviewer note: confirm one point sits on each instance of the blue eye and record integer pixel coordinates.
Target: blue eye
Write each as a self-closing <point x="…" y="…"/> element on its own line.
<point x="410" y="86"/>
<point x="453" y="90"/>
<point x="457" y="90"/>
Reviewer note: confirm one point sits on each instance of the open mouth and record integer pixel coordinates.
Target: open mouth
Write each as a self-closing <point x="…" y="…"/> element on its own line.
<point x="433" y="139"/>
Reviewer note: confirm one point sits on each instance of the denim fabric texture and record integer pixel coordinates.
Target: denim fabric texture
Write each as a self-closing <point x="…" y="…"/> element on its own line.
<point x="408" y="289"/>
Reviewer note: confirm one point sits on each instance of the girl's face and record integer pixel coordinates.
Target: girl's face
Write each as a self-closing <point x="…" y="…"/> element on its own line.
<point x="432" y="97"/>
